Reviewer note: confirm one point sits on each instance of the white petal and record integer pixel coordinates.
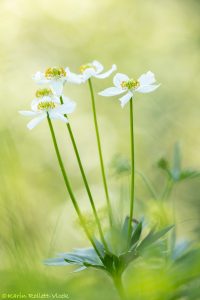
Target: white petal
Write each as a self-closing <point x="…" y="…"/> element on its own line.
<point x="66" y="108"/>
<point x="98" y="66"/>
<point x="88" y="73"/>
<point x="36" y="121"/>
<point x="34" y="104"/>
<point x="55" y="99"/>
<point x="147" y="88"/>
<point x="40" y="78"/>
<point x="56" y="115"/>
<point x="27" y="113"/>
<point x="147" y="78"/>
<point x="125" y="99"/>
<point x="36" y="101"/>
<point x="106" y="74"/>
<point x="73" y="78"/>
<point x="119" y="78"/>
<point x="112" y="91"/>
<point x="66" y="99"/>
<point x="57" y="86"/>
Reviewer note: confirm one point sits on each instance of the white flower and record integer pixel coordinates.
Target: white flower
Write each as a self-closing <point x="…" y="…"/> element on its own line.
<point x="56" y="77"/>
<point x="94" y="69"/>
<point x="124" y="84"/>
<point x="46" y="104"/>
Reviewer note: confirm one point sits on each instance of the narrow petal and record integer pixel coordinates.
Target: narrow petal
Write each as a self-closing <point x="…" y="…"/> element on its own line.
<point x="88" y="73"/>
<point x="27" y="113"/>
<point x="125" y="99"/>
<point x="36" y="121"/>
<point x="74" y="78"/>
<point x="55" y="115"/>
<point x="106" y="74"/>
<point x="147" y="78"/>
<point x="119" y="78"/>
<point x="147" y="88"/>
<point x="98" y="66"/>
<point x="112" y="91"/>
<point x="57" y="87"/>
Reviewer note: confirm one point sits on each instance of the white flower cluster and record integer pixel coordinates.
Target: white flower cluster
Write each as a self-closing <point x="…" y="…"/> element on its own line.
<point x="47" y="101"/>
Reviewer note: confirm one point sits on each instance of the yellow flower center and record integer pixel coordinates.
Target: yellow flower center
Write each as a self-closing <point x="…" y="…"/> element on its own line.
<point x="43" y="92"/>
<point x="85" y="67"/>
<point x="130" y="84"/>
<point x="55" y="72"/>
<point x="46" y="105"/>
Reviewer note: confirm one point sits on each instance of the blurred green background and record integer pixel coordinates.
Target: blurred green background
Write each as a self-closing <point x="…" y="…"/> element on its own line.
<point x="36" y="216"/>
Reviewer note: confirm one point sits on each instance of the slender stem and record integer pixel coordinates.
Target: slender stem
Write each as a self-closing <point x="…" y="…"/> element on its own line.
<point x="119" y="287"/>
<point x="100" y="152"/>
<point x="68" y="186"/>
<point x="132" y="168"/>
<point x="168" y="189"/>
<point x="85" y="182"/>
<point x="149" y="185"/>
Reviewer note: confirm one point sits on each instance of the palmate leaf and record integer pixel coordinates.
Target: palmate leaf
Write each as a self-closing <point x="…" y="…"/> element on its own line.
<point x="176" y="173"/>
<point x="84" y="258"/>
<point x="153" y="237"/>
<point x="136" y="250"/>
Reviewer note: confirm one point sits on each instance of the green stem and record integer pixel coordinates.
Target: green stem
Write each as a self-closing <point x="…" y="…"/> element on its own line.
<point x="68" y="186"/>
<point x="85" y="181"/>
<point x="149" y="185"/>
<point x="132" y="168"/>
<point x="168" y="189"/>
<point x="119" y="287"/>
<point x="100" y="152"/>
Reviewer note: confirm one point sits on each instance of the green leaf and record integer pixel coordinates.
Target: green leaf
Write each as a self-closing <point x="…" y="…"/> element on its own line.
<point x="128" y="257"/>
<point x="125" y="228"/>
<point x="136" y="234"/>
<point x="81" y="257"/>
<point x="164" y="165"/>
<point x="100" y="247"/>
<point x="152" y="237"/>
<point x="189" y="174"/>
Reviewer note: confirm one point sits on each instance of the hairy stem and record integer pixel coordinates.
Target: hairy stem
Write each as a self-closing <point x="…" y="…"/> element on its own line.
<point x="100" y="152"/>
<point x="132" y="169"/>
<point x="68" y="186"/>
<point x="85" y="181"/>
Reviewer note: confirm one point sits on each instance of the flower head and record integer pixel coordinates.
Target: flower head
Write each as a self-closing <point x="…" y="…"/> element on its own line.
<point x="56" y="77"/>
<point x="43" y="92"/>
<point x="48" y="105"/>
<point x="123" y="84"/>
<point x="94" y="69"/>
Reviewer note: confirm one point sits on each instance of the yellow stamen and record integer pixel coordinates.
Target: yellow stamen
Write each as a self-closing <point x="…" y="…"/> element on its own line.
<point x="85" y="67"/>
<point x="43" y="92"/>
<point x="130" y="84"/>
<point x="55" y="72"/>
<point x="46" y="105"/>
